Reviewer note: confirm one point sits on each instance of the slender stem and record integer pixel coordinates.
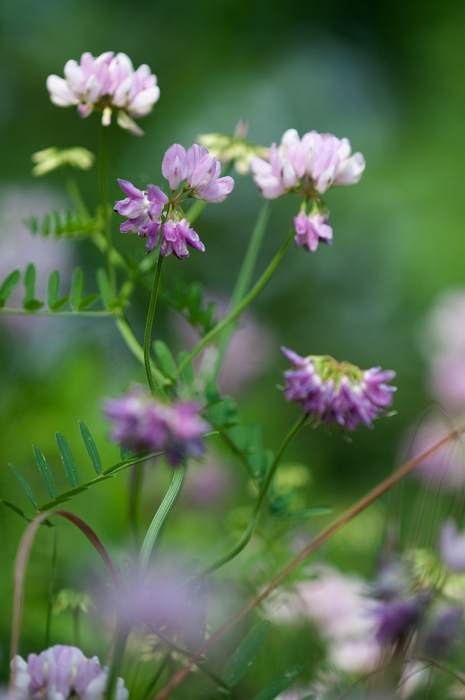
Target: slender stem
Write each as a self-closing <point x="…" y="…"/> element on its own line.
<point x="135" y="347"/>
<point x="254" y="292"/>
<point x="149" y="324"/>
<point x="247" y="536"/>
<point x="245" y="275"/>
<point x="160" y="516"/>
<point x="75" y="193"/>
<point x="115" y="663"/>
<point x="22" y="312"/>
<point x="150" y="687"/>
<point x="134" y="498"/>
<point x="104" y="203"/>
<point x="51" y="590"/>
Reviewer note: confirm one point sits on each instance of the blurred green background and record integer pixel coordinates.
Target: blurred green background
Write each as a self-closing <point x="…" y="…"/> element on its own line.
<point x="387" y="75"/>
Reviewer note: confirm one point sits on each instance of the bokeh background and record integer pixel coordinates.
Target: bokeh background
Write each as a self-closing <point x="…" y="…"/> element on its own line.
<point x="390" y="77"/>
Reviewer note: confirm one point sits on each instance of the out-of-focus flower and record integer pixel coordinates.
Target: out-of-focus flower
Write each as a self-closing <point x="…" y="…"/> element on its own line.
<point x="444" y="632"/>
<point x="445" y="468"/>
<point x="200" y="172"/>
<point x="341" y="608"/>
<point x="397" y="618"/>
<point x="208" y="483"/>
<point x="109" y="84"/>
<point x="52" y="158"/>
<point x="323" y="159"/>
<point x="234" y="148"/>
<point x="311" y="229"/>
<point x="140" y="422"/>
<point x="452" y="547"/>
<point x="336" y="392"/>
<point x="61" y="672"/>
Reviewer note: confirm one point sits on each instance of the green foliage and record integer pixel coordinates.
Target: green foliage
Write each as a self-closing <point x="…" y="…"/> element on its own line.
<point x="7" y="287"/>
<point x="67" y="224"/>
<point x="279" y="684"/>
<point x="67" y="459"/>
<point x="25" y="486"/>
<point x="188" y="300"/>
<point x="69" y="599"/>
<point x="165" y="358"/>
<point x="45" y="472"/>
<point x="29" y="301"/>
<point x="91" y="447"/>
<point x="245" y="653"/>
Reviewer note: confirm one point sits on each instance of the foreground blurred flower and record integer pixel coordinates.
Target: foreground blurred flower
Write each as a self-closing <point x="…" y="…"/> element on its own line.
<point x="452" y="547"/>
<point x="397" y="618"/>
<point x="234" y="148"/>
<point x="107" y="83"/>
<point x="52" y="158"/>
<point x="312" y="229"/>
<point x="321" y="159"/>
<point x="338" y="392"/>
<point x="444" y="469"/>
<point x="61" y="672"/>
<point x="140" y="422"/>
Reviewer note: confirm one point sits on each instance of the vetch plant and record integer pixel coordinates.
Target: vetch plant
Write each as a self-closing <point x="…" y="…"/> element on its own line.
<point x="172" y="421"/>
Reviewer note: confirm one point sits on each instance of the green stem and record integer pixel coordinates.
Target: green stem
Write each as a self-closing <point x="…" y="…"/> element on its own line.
<point x="115" y="663"/>
<point x="247" y="536"/>
<point x="104" y="204"/>
<point x="22" y="312"/>
<point x="134" y="499"/>
<point x="75" y="194"/>
<point x="160" y="516"/>
<point x="51" y="590"/>
<point x="254" y="292"/>
<point x="135" y="347"/>
<point x="149" y="324"/>
<point x="245" y="275"/>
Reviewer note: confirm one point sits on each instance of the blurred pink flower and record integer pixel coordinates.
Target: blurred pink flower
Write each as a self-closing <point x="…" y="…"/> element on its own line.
<point x="207" y="483"/>
<point x="445" y="468"/>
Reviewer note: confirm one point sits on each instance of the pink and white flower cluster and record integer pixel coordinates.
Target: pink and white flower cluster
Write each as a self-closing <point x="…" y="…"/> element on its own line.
<point x="336" y="392"/>
<point x="311" y="229"/>
<point x="61" y="672"/>
<point x="200" y="175"/>
<point x="321" y="160"/>
<point x="108" y="83"/>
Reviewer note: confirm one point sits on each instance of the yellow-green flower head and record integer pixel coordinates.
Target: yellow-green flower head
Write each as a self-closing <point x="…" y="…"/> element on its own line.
<point x="52" y="158"/>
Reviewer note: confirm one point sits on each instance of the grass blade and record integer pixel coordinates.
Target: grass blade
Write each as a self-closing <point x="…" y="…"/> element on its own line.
<point x="25" y="486"/>
<point x="77" y="287"/>
<point x="7" y="286"/>
<point x="279" y="684"/>
<point x="67" y="459"/>
<point x="45" y="472"/>
<point x="245" y="653"/>
<point x="91" y="447"/>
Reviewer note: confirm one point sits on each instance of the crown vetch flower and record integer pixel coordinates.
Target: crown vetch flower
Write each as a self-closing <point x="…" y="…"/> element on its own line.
<point x="143" y="210"/>
<point x="311" y="229"/>
<point x="61" y="672"/>
<point x="199" y="171"/>
<point x="337" y="392"/>
<point x="140" y="422"/>
<point x="397" y="618"/>
<point x="176" y="236"/>
<point x="108" y="83"/>
<point x="321" y="159"/>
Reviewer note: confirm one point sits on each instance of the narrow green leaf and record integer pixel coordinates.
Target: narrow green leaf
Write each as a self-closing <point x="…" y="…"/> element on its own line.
<point x="77" y="287"/>
<point x="125" y="454"/>
<point x="165" y="357"/>
<point x="32" y="223"/>
<point x="104" y="286"/>
<point x="45" y="472"/>
<point x="7" y="286"/>
<point x="15" y="508"/>
<point x="194" y="298"/>
<point x="67" y="459"/>
<point x="212" y="393"/>
<point x="279" y="684"/>
<point x="224" y="413"/>
<point x="33" y="305"/>
<point x="237" y="435"/>
<point x="29" y="283"/>
<point x="187" y="375"/>
<point x="245" y="653"/>
<point x="53" y="284"/>
<point x="46" y="225"/>
<point x="91" y="447"/>
<point x="307" y="512"/>
<point x="87" y="301"/>
<point x="59" y="303"/>
<point x="25" y="486"/>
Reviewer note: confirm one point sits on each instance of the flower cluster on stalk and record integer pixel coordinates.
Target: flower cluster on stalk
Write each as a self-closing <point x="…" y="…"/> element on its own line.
<point x="107" y="83"/>
<point x="61" y="672"/>
<point x="336" y="392"/>
<point x="140" y="422"/>
<point x="199" y="175"/>
<point x="308" y="166"/>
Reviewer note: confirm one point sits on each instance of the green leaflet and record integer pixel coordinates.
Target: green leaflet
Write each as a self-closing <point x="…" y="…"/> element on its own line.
<point x="165" y="357"/>
<point x="45" y="472"/>
<point x="245" y="653"/>
<point x="25" y="486"/>
<point x="77" y="287"/>
<point x="279" y="684"/>
<point x="91" y="447"/>
<point x="104" y="286"/>
<point x="68" y="224"/>
<point x="67" y="459"/>
<point x="7" y="286"/>
<point x="30" y="303"/>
